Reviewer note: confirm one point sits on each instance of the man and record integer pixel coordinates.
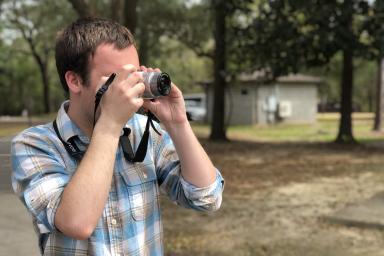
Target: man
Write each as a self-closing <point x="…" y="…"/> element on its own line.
<point x="100" y="203"/>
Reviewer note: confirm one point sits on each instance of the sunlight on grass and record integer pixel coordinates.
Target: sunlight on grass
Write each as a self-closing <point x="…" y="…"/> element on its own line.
<point x="11" y="129"/>
<point x="324" y="130"/>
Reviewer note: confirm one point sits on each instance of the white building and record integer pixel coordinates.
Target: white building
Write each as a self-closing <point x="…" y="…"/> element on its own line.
<point x="290" y="99"/>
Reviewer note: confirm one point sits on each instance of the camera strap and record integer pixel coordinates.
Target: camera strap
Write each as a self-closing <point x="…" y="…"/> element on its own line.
<point x="70" y="145"/>
<point x="143" y="145"/>
<point x="100" y="94"/>
<point x="124" y="139"/>
<point x="74" y="151"/>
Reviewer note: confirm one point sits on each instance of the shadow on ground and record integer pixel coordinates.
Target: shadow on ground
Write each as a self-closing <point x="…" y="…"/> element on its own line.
<point x="275" y="200"/>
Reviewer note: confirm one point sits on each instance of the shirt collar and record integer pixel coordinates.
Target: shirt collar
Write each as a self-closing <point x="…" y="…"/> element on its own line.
<point x="69" y="129"/>
<point x="66" y="126"/>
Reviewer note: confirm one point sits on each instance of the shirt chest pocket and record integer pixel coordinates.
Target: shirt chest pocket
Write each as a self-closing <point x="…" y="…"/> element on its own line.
<point x="142" y="189"/>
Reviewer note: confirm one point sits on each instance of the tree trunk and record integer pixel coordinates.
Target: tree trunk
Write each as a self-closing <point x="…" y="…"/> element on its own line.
<point x="143" y="45"/>
<point x="218" y="129"/>
<point x="379" y="96"/>
<point x="345" y="128"/>
<point x="42" y="63"/>
<point x="43" y="67"/>
<point x="117" y="11"/>
<point x="82" y="8"/>
<point x="47" y="102"/>
<point x="130" y="15"/>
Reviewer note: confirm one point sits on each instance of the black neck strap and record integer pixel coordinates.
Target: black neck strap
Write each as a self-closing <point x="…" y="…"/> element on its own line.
<point x="72" y="149"/>
<point x="143" y="145"/>
<point x="70" y="145"/>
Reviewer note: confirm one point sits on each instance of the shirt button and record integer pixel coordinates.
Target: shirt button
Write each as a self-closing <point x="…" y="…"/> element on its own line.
<point x="114" y="221"/>
<point x="145" y="176"/>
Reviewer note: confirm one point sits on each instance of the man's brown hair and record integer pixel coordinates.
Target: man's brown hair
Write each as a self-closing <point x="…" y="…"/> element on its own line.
<point x="77" y="43"/>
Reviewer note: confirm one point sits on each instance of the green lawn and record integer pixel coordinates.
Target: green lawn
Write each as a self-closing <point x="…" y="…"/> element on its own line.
<point x="9" y="129"/>
<point x="15" y="125"/>
<point x="324" y="130"/>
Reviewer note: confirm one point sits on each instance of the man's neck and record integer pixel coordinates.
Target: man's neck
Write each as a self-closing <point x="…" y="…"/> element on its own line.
<point x="80" y="119"/>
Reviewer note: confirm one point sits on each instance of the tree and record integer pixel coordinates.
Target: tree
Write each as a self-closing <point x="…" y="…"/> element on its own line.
<point x="83" y="7"/>
<point x="219" y="83"/>
<point x="30" y="30"/>
<point x="36" y="24"/>
<point x="160" y="18"/>
<point x="147" y="20"/>
<point x="122" y="11"/>
<point x="379" y="107"/>
<point x="289" y="35"/>
<point x="218" y="18"/>
<point x="375" y="28"/>
<point x="162" y="48"/>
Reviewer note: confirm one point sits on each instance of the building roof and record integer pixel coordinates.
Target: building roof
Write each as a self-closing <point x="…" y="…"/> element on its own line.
<point x="260" y="76"/>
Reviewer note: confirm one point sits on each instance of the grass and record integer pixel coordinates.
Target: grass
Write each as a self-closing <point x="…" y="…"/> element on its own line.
<point x="324" y="130"/>
<point x="9" y="129"/>
<point x="12" y="126"/>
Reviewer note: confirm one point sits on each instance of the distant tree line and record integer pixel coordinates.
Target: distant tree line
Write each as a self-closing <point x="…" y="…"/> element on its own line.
<point x="207" y="39"/>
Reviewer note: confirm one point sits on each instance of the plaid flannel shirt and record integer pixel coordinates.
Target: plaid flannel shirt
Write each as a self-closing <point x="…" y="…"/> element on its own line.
<point x="130" y="223"/>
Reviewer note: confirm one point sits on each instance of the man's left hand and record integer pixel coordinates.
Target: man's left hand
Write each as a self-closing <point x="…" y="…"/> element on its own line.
<point x="170" y="109"/>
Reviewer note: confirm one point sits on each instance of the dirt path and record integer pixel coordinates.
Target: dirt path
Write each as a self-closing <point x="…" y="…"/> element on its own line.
<point x="275" y="199"/>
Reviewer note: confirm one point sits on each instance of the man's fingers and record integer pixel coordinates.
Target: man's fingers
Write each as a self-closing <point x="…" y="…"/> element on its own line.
<point x="175" y="91"/>
<point x="138" y="102"/>
<point x="150" y="105"/>
<point x="125" y="72"/>
<point x="149" y="69"/>
<point x="137" y="90"/>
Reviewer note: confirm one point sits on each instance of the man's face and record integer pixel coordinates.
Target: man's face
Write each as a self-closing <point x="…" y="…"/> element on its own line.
<point x="106" y="60"/>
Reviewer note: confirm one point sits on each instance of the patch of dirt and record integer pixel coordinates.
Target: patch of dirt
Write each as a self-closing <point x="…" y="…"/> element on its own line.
<point x="275" y="198"/>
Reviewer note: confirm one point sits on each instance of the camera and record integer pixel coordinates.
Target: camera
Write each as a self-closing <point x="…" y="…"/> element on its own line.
<point x="156" y="84"/>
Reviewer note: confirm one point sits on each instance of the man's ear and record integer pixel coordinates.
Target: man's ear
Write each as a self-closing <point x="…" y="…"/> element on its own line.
<point x="74" y="82"/>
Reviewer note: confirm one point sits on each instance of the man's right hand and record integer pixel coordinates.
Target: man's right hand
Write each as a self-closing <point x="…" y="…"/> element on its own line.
<point x="123" y="97"/>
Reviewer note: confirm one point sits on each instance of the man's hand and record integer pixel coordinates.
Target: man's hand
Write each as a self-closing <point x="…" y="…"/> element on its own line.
<point x="170" y="109"/>
<point x="122" y="99"/>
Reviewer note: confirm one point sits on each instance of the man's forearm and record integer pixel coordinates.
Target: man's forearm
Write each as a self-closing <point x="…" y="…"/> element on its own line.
<point x="84" y="197"/>
<point x="196" y="167"/>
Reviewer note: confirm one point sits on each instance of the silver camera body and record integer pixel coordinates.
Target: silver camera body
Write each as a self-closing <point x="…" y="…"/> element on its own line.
<point x="157" y="84"/>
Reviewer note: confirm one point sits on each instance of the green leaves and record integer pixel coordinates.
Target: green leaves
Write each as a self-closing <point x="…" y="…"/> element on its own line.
<point x="289" y="35"/>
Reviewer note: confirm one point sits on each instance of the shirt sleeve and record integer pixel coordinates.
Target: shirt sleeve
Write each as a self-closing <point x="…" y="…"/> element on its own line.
<point x="207" y="198"/>
<point x="38" y="178"/>
<point x="181" y="192"/>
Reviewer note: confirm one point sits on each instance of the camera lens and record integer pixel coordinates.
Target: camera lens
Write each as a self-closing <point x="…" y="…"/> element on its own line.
<point x="164" y="84"/>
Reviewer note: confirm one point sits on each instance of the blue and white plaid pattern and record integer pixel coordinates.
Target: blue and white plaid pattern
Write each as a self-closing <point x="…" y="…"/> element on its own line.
<point x="130" y="223"/>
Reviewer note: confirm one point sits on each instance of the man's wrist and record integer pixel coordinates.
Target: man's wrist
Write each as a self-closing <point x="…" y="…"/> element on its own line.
<point x="177" y="128"/>
<point x="107" y="127"/>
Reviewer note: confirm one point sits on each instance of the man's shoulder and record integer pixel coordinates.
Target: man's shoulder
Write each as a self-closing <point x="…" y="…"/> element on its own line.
<point x="40" y="132"/>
